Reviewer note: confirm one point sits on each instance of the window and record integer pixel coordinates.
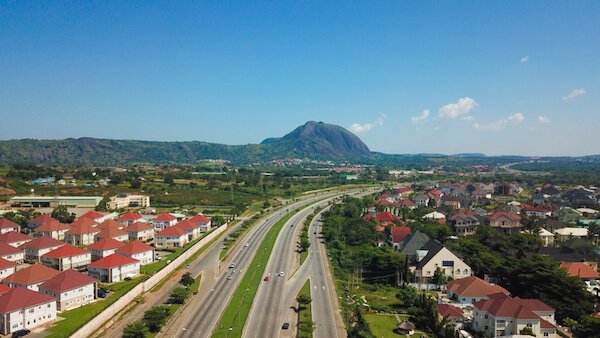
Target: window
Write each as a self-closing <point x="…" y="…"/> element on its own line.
<point x="486" y="316"/>
<point x="529" y="325"/>
<point x="546" y="334"/>
<point x="448" y="263"/>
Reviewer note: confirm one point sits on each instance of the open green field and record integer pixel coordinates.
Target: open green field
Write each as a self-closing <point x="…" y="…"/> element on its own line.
<point x="382" y="325"/>
<point x="237" y="311"/>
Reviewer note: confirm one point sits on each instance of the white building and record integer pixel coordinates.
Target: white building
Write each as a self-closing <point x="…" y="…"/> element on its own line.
<point x="15" y="239"/>
<point x="104" y="248"/>
<point x="40" y="246"/>
<point x="67" y="257"/>
<point x="30" y="277"/>
<point x="204" y="223"/>
<point x="71" y="289"/>
<point x="433" y="255"/>
<point x="128" y="201"/>
<point x="173" y="237"/>
<point x="7" y="268"/>
<point x="22" y="308"/>
<point x="140" y="231"/>
<point x="138" y="250"/>
<point x="114" y="268"/>
<point x="163" y="221"/>
<point x="12" y="254"/>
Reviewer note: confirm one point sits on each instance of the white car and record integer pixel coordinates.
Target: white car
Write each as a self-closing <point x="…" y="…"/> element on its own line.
<point x="281" y="274"/>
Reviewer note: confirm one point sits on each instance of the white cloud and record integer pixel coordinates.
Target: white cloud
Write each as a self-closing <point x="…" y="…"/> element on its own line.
<point x="574" y="93"/>
<point x="468" y="118"/>
<point x="363" y="128"/>
<point x="524" y="59"/>
<point x="501" y="124"/>
<point x="543" y="119"/>
<point x="421" y="118"/>
<point x="462" y="107"/>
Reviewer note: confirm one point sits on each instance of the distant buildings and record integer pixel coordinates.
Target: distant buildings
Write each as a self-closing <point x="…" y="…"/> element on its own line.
<point x="128" y="201"/>
<point x="55" y="201"/>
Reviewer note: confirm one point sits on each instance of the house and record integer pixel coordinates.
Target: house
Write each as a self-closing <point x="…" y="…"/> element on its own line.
<point x="11" y="254"/>
<point x="405" y="204"/>
<point x="465" y="223"/>
<point x="580" y="270"/>
<point x="500" y="315"/>
<point x="94" y="216"/>
<point x="588" y="212"/>
<point x="455" y="315"/>
<point x="70" y="288"/>
<point x="204" y="223"/>
<point x="191" y="228"/>
<point x="140" y="231"/>
<point x="114" y="268"/>
<point x="138" y="250"/>
<point x="104" y="248"/>
<point x="435" y="216"/>
<point x="40" y="246"/>
<point x="471" y="289"/>
<point x="30" y="277"/>
<point x="37" y="221"/>
<point x="567" y="233"/>
<point x="7" y="268"/>
<point x="172" y="237"/>
<point x="25" y="309"/>
<point x="7" y="225"/>
<point x="534" y="211"/>
<point x="421" y="200"/>
<point x="505" y="221"/>
<point x="412" y="243"/>
<point x="111" y="224"/>
<point x="83" y="232"/>
<point x="53" y="229"/>
<point x="398" y="235"/>
<point x="567" y="215"/>
<point x="15" y="239"/>
<point x="433" y="255"/>
<point x="4" y="289"/>
<point x="114" y="233"/>
<point x="452" y="202"/>
<point x="546" y="237"/>
<point x="163" y="221"/>
<point x="67" y="257"/>
<point x="130" y="217"/>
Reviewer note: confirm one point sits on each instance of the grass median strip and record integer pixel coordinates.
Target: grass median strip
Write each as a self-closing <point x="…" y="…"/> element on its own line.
<point x="237" y="311"/>
<point x="305" y="322"/>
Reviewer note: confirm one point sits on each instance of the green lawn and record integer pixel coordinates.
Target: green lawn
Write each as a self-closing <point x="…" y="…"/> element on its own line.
<point x="305" y="325"/>
<point x="382" y="325"/>
<point x="237" y="311"/>
<point x="76" y="318"/>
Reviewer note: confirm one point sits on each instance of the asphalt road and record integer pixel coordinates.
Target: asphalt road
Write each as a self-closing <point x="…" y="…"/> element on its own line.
<point x="203" y="311"/>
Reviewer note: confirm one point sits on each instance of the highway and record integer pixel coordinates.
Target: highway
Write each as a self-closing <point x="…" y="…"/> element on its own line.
<point x="203" y="311"/>
<point x="275" y="298"/>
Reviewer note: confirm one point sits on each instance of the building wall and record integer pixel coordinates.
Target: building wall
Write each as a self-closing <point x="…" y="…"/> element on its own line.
<point x="97" y="254"/>
<point x="17" y="257"/>
<point x="5" y="230"/>
<point x="146" y="257"/>
<point x="66" y="263"/>
<point x="459" y="269"/>
<point x="35" y="254"/>
<point x="117" y="274"/>
<point x="73" y="298"/>
<point x="170" y="242"/>
<point x="28" y="318"/>
<point x="7" y="272"/>
<point x="143" y="236"/>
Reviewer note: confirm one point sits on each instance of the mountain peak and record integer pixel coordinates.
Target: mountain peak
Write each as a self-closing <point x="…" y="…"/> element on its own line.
<point x="322" y="140"/>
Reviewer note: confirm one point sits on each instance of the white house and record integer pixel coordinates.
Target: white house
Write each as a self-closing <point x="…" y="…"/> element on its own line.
<point x="433" y="255"/>
<point x="12" y="254"/>
<point x="130" y="217"/>
<point x="104" y="248"/>
<point x="30" y="277"/>
<point x="67" y="257"/>
<point x="83" y="232"/>
<point x="40" y="246"/>
<point x="138" y="250"/>
<point x="15" y="239"/>
<point x="53" y="229"/>
<point x="70" y="288"/>
<point x="172" y="237"/>
<point x="163" y="221"/>
<point x="471" y="289"/>
<point x="140" y="231"/>
<point x="22" y="308"/>
<point x="7" y="268"/>
<point x="192" y="229"/>
<point x="204" y="223"/>
<point x="7" y="225"/>
<point x="114" y="233"/>
<point x="114" y="268"/>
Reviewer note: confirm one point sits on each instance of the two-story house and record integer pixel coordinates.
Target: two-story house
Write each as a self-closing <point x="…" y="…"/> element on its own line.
<point x="7" y="225"/>
<point x="114" y="268"/>
<point x="22" y="308"/>
<point x="53" y="229"/>
<point x="163" y="221"/>
<point x="172" y="237"/>
<point x="104" y="248"/>
<point x="30" y="277"/>
<point x="7" y="268"/>
<point x="40" y="246"/>
<point x="15" y="239"/>
<point x="433" y="255"/>
<point x="505" y="221"/>
<point x="67" y="257"/>
<point x="138" y="250"/>
<point x="70" y="288"/>
<point x="140" y="231"/>
<point x="464" y="223"/>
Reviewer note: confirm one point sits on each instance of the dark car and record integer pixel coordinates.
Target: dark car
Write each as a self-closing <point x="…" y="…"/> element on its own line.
<point x="285" y="326"/>
<point x="102" y="292"/>
<point x="20" y="333"/>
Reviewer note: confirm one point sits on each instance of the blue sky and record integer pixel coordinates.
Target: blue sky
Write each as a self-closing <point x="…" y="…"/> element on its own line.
<point x="510" y="77"/>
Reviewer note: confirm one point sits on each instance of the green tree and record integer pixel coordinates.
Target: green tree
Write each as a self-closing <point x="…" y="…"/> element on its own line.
<point x="135" y="330"/>
<point x="303" y="300"/>
<point x="62" y="214"/>
<point x="179" y="295"/>
<point x="155" y="317"/>
<point x="187" y="279"/>
<point x="136" y="184"/>
<point x="439" y="278"/>
<point x="527" y="331"/>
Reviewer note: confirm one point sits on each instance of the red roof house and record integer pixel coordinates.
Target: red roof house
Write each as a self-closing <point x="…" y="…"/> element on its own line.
<point x="114" y="268"/>
<point x="10" y="253"/>
<point x="4" y="289"/>
<point x="94" y="215"/>
<point x="15" y="238"/>
<point x="399" y="234"/>
<point x="138" y="250"/>
<point x="37" y="221"/>
<point x="140" y="231"/>
<point x="450" y="311"/>
<point x="471" y="289"/>
<point x="33" y="308"/>
<point x="104" y="247"/>
<point x="7" y="225"/>
<point x="40" y="246"/>
<point x="67" y="257"/>
<point x="7" y="268"/>
<point x="580" y="269"/>
<point x="70" y="280"/>
<point x="130" y="217"/>
<point x="114" y="233"/>
<point x="30" y="277"/>
<point x="53" y="229"/>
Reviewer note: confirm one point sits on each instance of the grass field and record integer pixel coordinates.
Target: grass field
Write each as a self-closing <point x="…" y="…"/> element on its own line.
<point x="305" y="324"/>
<point x="237" y="311"/>
<point x="382" y="325"/>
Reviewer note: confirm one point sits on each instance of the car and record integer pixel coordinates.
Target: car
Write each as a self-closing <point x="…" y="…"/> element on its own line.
<point x="266" y="279"/>
<point x="187" y="266"/>
<point x="247" y="245"/>
<point x="231" y="265"/>
<point x="281" y="274"/>
<point x="20" y="333"/>
<point x="229" y="277"/>
<point x="315" y="232"/>
<point x="285" y="326"/>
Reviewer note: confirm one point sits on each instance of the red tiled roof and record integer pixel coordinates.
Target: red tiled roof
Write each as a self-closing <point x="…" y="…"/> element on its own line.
<point x="507" y="214"/>
<point x="20" y="298"/>
<point x="84" y="222"/>
<point x="186" y="225"/>
<point x="532" y="208"/>
<point x="4" y="289"/>
<point x="6" y="249"/>
<point x="534" y="304"/>
<point x="13" y="236"/>
<point x="450" y="311"/>
<point x="66" y="251"/>
<point x="544" y="324"/>
<point x="580" y="269"/>
<point x="501" y="305"/>
<point x="113" y="261"/>
<point x="165" y="217"/>
<point x="31" y="275"/>
<point x="405" y="204"/>
<point x="43" y="218"/>
<point x="7" y="224"/>
<point x="138" y="226"/>
<point x="400" y="233"/>
<point x="134" y="247"/>
<point x="52" y="226"/>
<point x="130" y="216"/>
<point x="92" y="214"/>
<point x="112" y="233"/>
<point x="83" y="228"/>
<point x="385" y="217"/>
<point x="67" y="280"/>
<point x="111" y="223"/>
<point x="474" y="287"/>
<point x="106" y="244"/>
<point x="435" y="192"/>
<point x="200" y="219"/>
<point x="382" y="201"/>
<point x="42" y="242"/>
<point x="172" y="231"/>
<point x="6" y="264"/>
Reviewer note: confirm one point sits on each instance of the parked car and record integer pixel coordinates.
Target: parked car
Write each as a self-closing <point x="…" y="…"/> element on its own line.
<point x="266" y="279"/>
<point x="281" y="274"/>
<point x="285" y="326"/>
<point x="20" y="333"/>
